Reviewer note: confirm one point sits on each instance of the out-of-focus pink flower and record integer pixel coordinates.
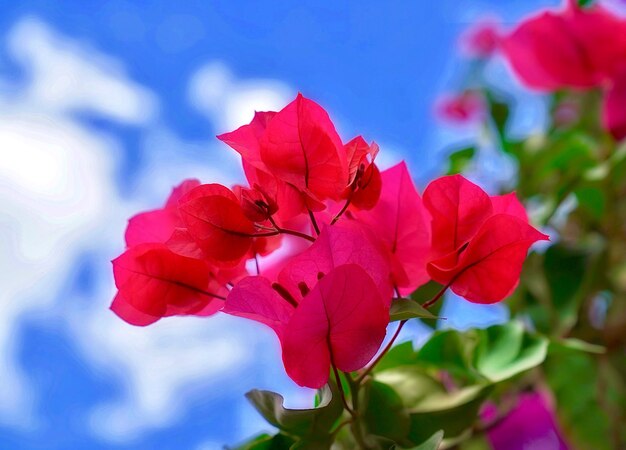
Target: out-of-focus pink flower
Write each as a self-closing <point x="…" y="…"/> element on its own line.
<point x="481" y="40"/>
<point x="531" y="424"/>
<point x="461" y="109"/>
<point x="614" y="107"/>
<point x="570" y="48"/>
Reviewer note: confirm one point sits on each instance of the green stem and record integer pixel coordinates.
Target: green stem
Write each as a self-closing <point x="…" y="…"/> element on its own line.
<point x="427" y="304"/>
<point x="341" y="393"/>
<point x="356" y="425"/>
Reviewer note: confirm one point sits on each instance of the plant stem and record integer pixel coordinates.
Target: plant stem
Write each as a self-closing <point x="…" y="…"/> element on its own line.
<point x="280" y="230"/>
<point x="341" y="393"/>
<point x="434" y="300"/>
<point x="314" y="222"/>
<point x="381" y="355"/>
<point x="357" y="429"/>
<point x="340" y="213"/>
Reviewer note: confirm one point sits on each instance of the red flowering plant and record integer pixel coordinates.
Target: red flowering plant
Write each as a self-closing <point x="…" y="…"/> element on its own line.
<point x="572" y="170"/>
<point x="354" y="248"/>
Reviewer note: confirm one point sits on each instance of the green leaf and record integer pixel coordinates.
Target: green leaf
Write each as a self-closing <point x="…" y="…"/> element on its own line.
<point x="298" y="422"/>
<point x="585" y="3"/>
<point x="267" y="442"/>
<point x="576" y="345"/>
<point x="459" y="160"/>
<point x="453" y="413"/>
<point x="432" y="443"/>
<point x="431" y="406"/>
<point x="405" y="309"/>
<point x="592" y="200"/>
<point x="425" y="293"/>
<point x="500" y="112"/>
<point x="450" y="350"/>
<point x="385" y="414"/>
<point x="582" y="391"/>
<point x="505" y="351"/>
<point x="495" y="354"/>
<point x="412" y="383"/>
<point x="565" y="267"/>
<point x="399" y="355"/>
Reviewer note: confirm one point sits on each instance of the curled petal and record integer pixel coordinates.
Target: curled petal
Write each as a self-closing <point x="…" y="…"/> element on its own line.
<point x="488" y="270"/>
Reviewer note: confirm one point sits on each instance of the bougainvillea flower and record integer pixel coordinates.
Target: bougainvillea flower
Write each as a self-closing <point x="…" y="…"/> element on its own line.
<point x="301" y="147"/>
<point x="359" y="154"/>
<point x="154" y="282"/>
<point x="341" y="321"/>
<point x="481" y="40"/>
<point x="215" y="220"/>
<point x="246" y="141"/>
<point x="159" y="224"/>
<point x="479" y="243"/>
<point x="343" y="243"/>
<point x="400" y="222"/>
<point x="614" y="107"/>
<point x="364" y="179"/>
<point x="463" y="108"/>
<point x="571" y="48"/>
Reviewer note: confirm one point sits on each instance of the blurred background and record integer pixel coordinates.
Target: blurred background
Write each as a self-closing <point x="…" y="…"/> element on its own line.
<point x="104" y="106"/>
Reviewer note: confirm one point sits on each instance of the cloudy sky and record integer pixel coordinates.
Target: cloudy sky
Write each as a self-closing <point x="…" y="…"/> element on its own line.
<point x="104" y="106"/>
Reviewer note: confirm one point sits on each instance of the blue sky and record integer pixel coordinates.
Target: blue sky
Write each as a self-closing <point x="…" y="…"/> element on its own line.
<point x="103" y="107"/>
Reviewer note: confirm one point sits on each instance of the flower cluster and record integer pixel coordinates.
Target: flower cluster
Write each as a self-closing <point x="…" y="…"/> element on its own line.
<point x="574" y="48"/>
<point x="318" y="244"/>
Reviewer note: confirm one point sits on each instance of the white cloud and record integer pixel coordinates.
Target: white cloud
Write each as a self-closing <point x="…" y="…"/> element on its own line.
<point x="59" y="199"/>
<point x="67" y="75"/>
<point x="54" y="179"/>
<point x="231" y="102"/>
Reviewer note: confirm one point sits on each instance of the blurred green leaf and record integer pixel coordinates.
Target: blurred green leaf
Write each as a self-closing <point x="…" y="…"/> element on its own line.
<point x="400" y="355"/>
<point x="592" y="200"/>
<point x="495" y="354"/>
<point x="505" y="351"/>
<point x="404" y="309"/>
<point x="459" y="160"/>
<point x="315" y="422"/>
<point x="581" y="397"/>
<point x="500" y="112"/>
<point x="385" y="414"/>
<point x="432" y="443"/>
<point x="412" y="383"/>
<point x="567" y="269"/>
<point x="453" y="412"/>
<point x="450" y="350"/>
<point x="575" y="344"/>
<point x="429" y="403"/>
<point x="267" y="442"/>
